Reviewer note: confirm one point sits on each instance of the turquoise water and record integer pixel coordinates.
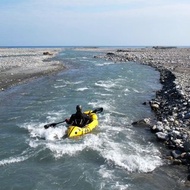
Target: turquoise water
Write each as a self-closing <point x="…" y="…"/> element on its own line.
<point x="114" y="156"/>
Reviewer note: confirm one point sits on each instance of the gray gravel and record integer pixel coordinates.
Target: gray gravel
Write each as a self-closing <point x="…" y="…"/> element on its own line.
<point x="18" y="65"/>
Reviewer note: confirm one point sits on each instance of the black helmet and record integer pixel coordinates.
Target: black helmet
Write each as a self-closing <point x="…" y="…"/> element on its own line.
<point x="79" y="108"/>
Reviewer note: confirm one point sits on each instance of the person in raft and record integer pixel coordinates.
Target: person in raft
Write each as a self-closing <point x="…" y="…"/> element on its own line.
<point x="79" y="119"/>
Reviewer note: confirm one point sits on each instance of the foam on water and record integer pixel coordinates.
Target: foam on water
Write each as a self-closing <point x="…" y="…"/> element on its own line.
<point x="38" y="131"/>
<point x="105" y="173"/>
<point x="129" y="155"/>
<point x="102" y="94"/>
<point x="59" y="86"/>
<point x="105" y="105"/>
<point x="25" y="155"/>
<point x="11" y="160"/>
<point x="109" y="179"/>
<point x="126" y="90"/>
<point x="82" y="89"/>
<point x="66" y="148"/>
<point x="137" y="158"/>
<point x="105" y="64"/>
<point x="66" y="83"/>
<point x="119" y="155"/>
<point x="105" y="84"/>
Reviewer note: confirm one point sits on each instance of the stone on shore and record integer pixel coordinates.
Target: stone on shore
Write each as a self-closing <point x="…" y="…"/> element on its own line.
<point x="47" y="53"/>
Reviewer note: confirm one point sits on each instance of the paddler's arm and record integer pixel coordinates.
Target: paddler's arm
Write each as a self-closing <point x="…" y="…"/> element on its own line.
<point x="71" y="120"/>
<point x="87" y="118"/>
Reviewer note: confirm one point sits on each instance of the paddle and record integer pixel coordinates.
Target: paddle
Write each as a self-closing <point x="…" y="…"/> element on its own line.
<point x="97" y="110"/>
<point x="52" y="124"/>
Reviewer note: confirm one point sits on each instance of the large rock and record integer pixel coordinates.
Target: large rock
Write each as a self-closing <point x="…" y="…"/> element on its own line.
<point x="162" y="136"/>
<point x="47" y="53"/>
<point x="147" y="122"/>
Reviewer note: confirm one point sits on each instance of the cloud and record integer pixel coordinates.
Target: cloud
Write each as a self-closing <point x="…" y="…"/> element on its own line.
<point x="108" y="8"/>
<point x="102" y="22"/>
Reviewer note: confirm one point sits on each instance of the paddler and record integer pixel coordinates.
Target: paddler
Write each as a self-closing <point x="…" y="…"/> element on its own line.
<point x="79" y="119"/>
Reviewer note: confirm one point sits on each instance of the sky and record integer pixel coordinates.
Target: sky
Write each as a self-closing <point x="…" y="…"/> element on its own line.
<point x="94" y="23"/>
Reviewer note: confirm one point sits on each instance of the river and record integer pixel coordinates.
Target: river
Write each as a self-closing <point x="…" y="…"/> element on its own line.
<point x="115" y="155"/>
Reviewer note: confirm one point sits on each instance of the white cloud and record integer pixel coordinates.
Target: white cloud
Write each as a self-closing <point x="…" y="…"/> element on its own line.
<point x="115" y="22"/>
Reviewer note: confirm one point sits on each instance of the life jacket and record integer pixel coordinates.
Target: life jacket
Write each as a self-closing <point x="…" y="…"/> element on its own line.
<point x="80" y="119"/>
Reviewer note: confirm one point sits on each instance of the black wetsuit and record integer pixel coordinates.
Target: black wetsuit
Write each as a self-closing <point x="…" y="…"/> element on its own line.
<point x="79" y="119"/>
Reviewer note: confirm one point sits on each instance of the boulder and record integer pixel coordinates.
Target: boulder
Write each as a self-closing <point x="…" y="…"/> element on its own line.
<point x="161" y="136"/>
<point x="47" y="53"/>
<point x="142" y="123"/>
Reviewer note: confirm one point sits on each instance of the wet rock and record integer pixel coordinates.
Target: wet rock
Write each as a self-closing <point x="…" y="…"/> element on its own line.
<point x="155" y="106"/>
<point x="110" y="54"/>
<point x="142" y="123"/>
<point x="187" y="115"/>
<point x="177" y="162"/>
<point x="176" y="154"/>
<point x="144" y="103"/>
<point x="169" y="158"/>
<point x="157" y="128"/>
<point x="186" y="145"/>
<point x="47" y="53"/>
<point x="161" y="136"/>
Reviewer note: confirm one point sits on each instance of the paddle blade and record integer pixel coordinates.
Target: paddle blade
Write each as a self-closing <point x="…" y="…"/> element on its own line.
<point x="50" y="125"/>
<point x="46" y="127"/>
<point x="98" y="110"/>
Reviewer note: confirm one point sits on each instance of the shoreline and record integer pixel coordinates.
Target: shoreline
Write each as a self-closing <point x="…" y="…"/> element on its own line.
<point x="19" y="65"/>
<point x="171" y="104"/>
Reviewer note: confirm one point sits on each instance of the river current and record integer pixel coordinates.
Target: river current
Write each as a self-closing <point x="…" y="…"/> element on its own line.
<point x="115" y="155"/>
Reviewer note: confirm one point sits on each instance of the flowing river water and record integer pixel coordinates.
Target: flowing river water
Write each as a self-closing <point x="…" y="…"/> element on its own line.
<point x="115" y="155"/>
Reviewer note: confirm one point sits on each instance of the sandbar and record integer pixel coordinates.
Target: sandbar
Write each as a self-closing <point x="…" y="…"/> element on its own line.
<point x="18" y="65"/>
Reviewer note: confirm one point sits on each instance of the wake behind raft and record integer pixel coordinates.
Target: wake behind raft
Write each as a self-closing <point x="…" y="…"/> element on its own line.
<point x="75" y="131"/>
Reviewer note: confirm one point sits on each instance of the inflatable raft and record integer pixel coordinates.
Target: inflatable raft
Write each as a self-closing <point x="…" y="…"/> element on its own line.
<point x="74" y="131"/>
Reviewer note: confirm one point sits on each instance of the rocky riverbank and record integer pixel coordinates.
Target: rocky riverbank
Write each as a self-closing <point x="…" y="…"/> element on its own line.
<point x="172" y="102"/>
<point x="18" y="65"/>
